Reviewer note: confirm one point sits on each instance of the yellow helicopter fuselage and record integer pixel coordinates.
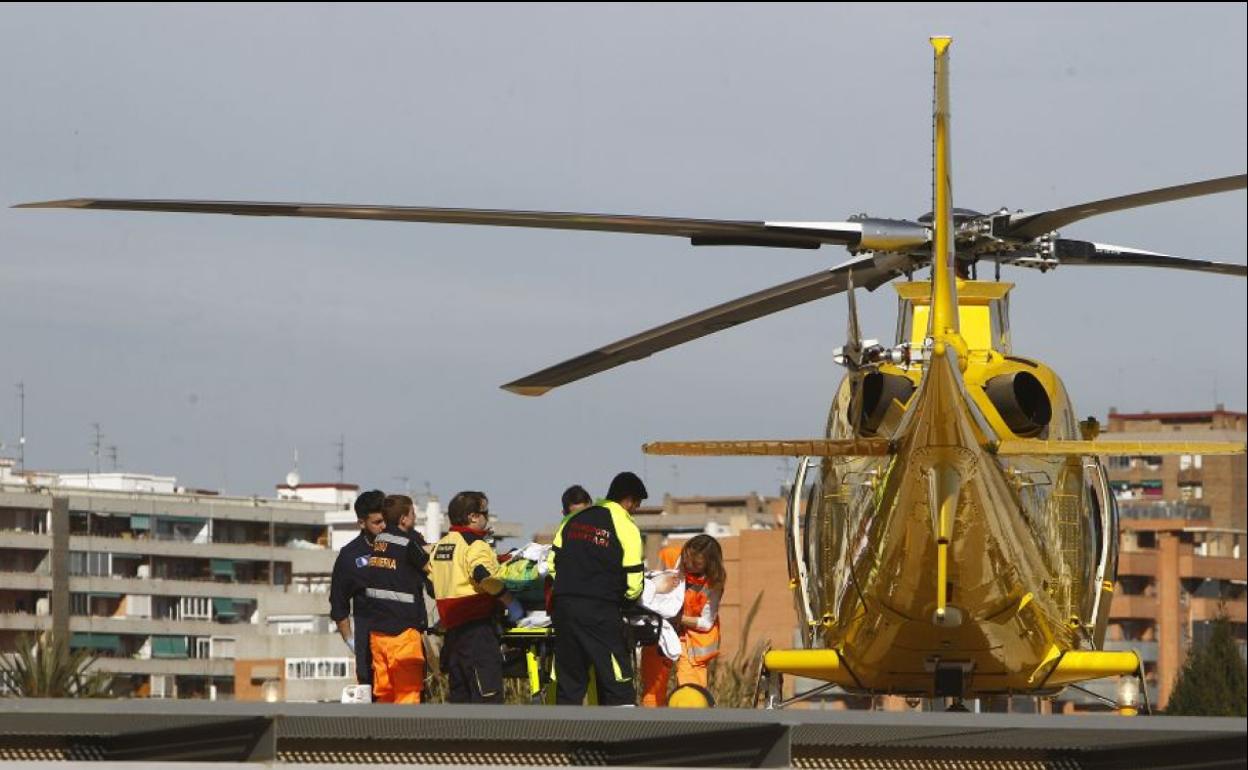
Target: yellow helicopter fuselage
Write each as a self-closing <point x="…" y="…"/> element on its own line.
<point x="944" y="556"/>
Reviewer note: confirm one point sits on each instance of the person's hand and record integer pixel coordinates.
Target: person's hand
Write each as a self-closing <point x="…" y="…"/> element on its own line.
<point x="515" y="611"/>
<point x="666" y="582"/>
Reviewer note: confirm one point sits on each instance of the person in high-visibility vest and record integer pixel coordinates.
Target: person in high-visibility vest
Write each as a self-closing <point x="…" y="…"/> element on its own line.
<point x="701" y="563"/>
<point x="465" y="569"/>
<point x="597" y="560"/>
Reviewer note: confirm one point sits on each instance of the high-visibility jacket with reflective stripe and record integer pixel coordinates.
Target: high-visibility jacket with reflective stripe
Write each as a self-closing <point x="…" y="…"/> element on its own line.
<point x="598" y="555"/>
<point x="394" y="582"/>
<point x="700" y="645"/>
<point x="463" y="567"/>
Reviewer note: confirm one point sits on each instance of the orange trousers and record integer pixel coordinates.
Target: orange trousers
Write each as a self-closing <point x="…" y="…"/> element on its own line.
<point x="656" y="672"/>
<point x="398" y="667"/>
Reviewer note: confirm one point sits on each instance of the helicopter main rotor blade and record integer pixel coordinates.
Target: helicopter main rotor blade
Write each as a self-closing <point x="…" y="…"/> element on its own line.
<point x="822" y="284"/>
<point x="1037" y="224"/>
<point x="702" y="232"/>
<point x="1071" y="252"/>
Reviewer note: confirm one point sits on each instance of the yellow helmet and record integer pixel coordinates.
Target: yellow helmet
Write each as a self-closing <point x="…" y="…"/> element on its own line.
<point x="691" y="696"/>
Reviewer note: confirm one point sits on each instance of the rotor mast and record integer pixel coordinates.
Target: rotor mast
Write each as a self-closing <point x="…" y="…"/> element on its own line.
<point x="944" y="318"/>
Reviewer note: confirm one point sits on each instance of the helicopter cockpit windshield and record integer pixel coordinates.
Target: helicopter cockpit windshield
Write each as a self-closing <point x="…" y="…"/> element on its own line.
<point x="983" y="314"/>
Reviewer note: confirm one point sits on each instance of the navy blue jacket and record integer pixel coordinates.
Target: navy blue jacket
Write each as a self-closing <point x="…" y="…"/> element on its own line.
<point x="346" y="597"/>
<point x="394" y="583"/>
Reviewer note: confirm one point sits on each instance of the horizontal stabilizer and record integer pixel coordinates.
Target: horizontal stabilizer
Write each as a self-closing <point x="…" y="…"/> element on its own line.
<point x="1118" y="448"/>
<point x="811" y="447"/>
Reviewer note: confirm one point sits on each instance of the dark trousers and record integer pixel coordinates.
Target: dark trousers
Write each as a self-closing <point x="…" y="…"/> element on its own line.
<point x="591" y="633"/>
<point x="473" y="662"/>
<point x="363" y="654"/>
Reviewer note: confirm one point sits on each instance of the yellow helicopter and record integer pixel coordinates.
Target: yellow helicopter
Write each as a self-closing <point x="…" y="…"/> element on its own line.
<point x="953" y="533"/>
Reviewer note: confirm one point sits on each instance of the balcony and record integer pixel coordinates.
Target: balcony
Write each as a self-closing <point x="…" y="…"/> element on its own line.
<point x="302" y="560"/>
<point x="1236" y="610"/>
<point x="24" y="621"/>
<point x="1137" y="563"/>
<point x="172" y="587"/>
<point x="147" y="666"/>
<point x="33" y="541"/>
<point x="1127" y="606"/>
<point x="1215" y="567"/>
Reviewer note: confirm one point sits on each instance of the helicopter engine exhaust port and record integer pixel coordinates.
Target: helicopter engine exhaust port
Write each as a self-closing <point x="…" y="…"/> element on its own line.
<point x="878" y="391"/>
<point x="1022" y="403"/>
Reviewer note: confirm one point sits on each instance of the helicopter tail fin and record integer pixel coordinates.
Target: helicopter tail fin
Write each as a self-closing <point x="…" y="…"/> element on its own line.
<point x="944" y="317"/>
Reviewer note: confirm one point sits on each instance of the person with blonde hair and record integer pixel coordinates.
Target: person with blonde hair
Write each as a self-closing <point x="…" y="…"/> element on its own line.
<point x="701" y="563"/>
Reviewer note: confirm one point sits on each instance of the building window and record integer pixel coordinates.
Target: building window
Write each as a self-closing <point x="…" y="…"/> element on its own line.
<point x="288" y="628"/>
<point x="319" y="668"/>
<point x="223" y="647"/>
<point x="202" y="648"/>
<point x="1192" y="491"/>
<point x="94" y="563"/>
<point x="1119" y="463"/>
<point x="195" y="608"/>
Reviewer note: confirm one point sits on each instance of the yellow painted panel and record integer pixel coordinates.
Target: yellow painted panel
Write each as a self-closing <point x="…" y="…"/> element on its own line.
<point x="976" y="325"/>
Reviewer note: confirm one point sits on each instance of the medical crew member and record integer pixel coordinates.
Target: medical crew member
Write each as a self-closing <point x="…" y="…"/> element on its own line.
<point x="346" y="598"/>
<point x="464" y="569"/>
<point x="701" y="564"/>
<point x="598" y="572"/>
<point x="394" y="598"/>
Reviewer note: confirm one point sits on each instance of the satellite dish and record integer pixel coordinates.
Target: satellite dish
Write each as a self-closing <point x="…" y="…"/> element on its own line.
<point x="292" y="479"/>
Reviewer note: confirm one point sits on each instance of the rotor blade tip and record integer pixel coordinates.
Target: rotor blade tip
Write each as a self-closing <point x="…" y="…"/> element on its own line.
<point x="526" y="390"/>
<point x="67" y="203"/>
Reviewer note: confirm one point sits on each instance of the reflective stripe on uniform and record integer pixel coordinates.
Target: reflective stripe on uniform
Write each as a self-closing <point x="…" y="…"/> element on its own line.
<point x="386" y="537"/>
<point x="394" y="596"/>
<point x="700" y="654"/>
<point x="617" y="671"/>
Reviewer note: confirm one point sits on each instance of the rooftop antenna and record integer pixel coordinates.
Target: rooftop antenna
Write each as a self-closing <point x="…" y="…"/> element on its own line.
<point x="786" y="476"/>
<point x="292" y="478"/>
<point x="407" y="484"/>
<point x="21" y="439"/>
<point x="342" y="457"/>
<point x="97" y="444"/>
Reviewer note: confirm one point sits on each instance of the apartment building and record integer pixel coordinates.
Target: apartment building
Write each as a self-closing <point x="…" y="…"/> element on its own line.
<point x="165" y="584"/>
<point x="1181" y="539"/>
<point x="1219" y="483"/>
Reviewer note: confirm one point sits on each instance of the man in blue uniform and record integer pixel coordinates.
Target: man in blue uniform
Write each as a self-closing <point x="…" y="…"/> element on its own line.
<point x="346" y="597"/>
<point x="394" y="589"/>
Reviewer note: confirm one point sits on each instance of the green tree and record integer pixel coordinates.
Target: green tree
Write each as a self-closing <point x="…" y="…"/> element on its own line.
<point x="1214" y="681"/>
<point x="46" y="667"/>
